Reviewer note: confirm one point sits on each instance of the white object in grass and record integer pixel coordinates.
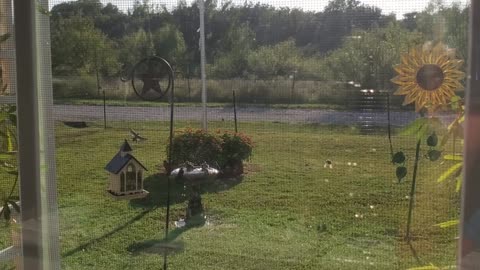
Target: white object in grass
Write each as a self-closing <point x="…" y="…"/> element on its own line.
<point x="180" y="223"/>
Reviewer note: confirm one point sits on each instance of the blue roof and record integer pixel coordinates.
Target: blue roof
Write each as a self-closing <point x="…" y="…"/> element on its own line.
<point x="118" y="163"/>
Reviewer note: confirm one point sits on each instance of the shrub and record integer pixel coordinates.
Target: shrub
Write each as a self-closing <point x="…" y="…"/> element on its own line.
<point x="235" y="147"/>
<point x="195" y="146"/>
<point x="75" y="87"/>
<point x="223" y="148"/>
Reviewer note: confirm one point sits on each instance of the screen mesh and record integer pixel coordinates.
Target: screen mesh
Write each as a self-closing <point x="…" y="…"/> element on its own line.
<point x="335" y="127"/>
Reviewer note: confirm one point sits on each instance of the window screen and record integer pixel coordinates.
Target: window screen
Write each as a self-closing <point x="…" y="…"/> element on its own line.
<point x="245" y="135"/>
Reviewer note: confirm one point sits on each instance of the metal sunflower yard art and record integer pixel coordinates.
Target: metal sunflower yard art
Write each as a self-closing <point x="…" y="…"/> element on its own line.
<point x="429" y="76"/>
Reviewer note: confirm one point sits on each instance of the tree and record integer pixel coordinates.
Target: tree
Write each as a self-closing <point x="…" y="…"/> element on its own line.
<point x="339" y="19"/>
<point x="79" y="48"/>
<point x="282" y="59"/>
<point x="169" y="43"/>
<point x="166" y="42"/>
<point x="456" y="28"/>
<point x="445" y="23"/>
<point x="368" y="57"/>
<point x="83" y="8"/>
<point x="232" y="60"/>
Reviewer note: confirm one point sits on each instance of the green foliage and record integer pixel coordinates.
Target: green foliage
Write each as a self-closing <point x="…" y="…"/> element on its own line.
<point x="197" y="146"/>
<point x="84" y="86"/>
<point x="169" y="43"/>
<point x="135" y="47"/>
<point x="3" y="85"/>
<point x="80" y="48"/>
<point x="235" y="147"/>
<point x="8" y="146"/>
<point x="348" y="41"/>
<point x="237" y="45"/>
<point x="368" y="57"/>
<point x="449" y="24"/>
<point x="282" y="59"/>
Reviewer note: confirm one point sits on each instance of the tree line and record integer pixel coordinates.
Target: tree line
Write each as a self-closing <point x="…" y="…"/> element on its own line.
<point x="347" y="41"/>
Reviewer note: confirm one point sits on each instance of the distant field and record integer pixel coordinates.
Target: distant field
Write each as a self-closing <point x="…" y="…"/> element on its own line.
<point x="276" y="92"/>
<point x="288" y="212"/>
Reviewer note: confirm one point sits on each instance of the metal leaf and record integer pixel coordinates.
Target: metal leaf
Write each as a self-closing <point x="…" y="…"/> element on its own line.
<point x="432" y="140"/>
<point x="398" y="158"/>
<point x="401" y="172"/>
<point x="434" y="155"/>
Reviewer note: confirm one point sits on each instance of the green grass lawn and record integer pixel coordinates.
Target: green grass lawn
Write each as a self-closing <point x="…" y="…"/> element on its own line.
<point x="288" y="211"/>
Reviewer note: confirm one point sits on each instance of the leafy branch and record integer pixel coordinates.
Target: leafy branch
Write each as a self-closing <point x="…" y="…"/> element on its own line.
<point x="8" y="146"/>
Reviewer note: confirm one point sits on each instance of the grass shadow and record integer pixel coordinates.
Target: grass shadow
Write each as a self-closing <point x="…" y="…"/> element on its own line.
<point x="108" y="234"/>
<point x="156" y="185"/>
<point x="168" y="246"/>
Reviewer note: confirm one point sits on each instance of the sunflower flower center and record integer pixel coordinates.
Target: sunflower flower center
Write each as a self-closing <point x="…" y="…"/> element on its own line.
<point x="430" y="77"/>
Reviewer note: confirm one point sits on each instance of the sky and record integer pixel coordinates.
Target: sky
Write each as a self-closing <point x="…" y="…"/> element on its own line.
<point x="398" y="7"/>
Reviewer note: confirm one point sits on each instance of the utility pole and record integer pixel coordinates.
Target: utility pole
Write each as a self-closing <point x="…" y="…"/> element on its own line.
<point x="201" y="7"/>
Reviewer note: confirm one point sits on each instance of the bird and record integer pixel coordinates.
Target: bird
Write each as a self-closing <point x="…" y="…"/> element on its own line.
<point x="180" y="174"/>
<point x="328" y="164"/>
<point x="136" y="137"/>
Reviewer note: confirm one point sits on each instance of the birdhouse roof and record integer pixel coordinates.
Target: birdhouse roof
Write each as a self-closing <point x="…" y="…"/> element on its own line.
<point x="126" y="147"/>
<point x="118" y="163"/>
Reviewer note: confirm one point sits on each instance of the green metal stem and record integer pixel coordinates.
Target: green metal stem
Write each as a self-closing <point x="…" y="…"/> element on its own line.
<point x="412" y="190"/>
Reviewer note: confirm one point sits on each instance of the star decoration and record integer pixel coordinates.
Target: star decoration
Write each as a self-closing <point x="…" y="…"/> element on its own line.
<point x="151" y="80"/>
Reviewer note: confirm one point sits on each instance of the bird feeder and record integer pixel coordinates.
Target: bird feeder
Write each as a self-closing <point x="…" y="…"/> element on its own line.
<point x="126" y="175"/>
<point x="192" y="177"/>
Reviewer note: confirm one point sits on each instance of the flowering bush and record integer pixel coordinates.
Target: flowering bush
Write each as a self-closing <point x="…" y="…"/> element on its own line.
<point x="223" y="148"/>
<point x="195" y="146"/>
<point x="235" y="147"/>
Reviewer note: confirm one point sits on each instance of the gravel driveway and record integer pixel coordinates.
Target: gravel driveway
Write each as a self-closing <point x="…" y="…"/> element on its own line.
<point x="117" y="113"/>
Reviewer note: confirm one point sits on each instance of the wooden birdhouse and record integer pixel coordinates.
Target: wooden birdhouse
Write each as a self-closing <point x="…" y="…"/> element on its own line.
<point x="126" y="175"/>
